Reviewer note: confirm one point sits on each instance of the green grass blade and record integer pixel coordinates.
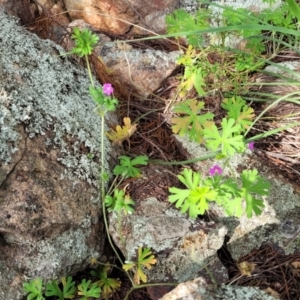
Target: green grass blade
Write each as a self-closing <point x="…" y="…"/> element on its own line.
<point x="271" y="132"/>
<point x="294" y="8"/>
<point x="284" y="98"/>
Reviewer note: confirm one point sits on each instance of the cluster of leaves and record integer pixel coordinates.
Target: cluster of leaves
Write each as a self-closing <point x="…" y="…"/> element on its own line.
<point x="200" y="127"/>
<point x="193" y="73"/>
<point x="228" y="193"/>
<point x="119" y="202"/>
<point x="282" y="16"/>
<point x="254" y="40"/>
<point x="105" y="286"/>
<point x="127" y="168"/>
<point x="65" y="290"/>
<point x="215" y="66"/>
<point x="228" y="139"/>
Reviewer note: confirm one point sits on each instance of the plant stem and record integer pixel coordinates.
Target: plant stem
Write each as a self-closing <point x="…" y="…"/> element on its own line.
<point x="89" y="70"/>
<point x="183" y="162"/>
<point x="103" y="189"/>
<point x="102" y="114"/>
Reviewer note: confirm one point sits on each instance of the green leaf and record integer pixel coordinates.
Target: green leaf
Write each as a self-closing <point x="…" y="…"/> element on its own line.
<point x="232" y="206"/>
<point x="127" y="168"/>
<point x="97" y="94"/>
<point x="195" y="197"/>
<point x="239" y="111"/>
<point x="197" y="78"/>
<point x="34" y="289"/>
<point x="108" y="285"/>
<point x="254" y="204"/>
<point x="228" y="194"/>
<point x="199" y="196"/>
<point x="294" y="8"/>
<point x="109" y="202"/>
<point x="181" y="21"/>
<point x="85" y="41"/>
<point x="86" y="289"/>
<point x="52" y="289"/>
<point x="125" y="205"/>
<point x="225" y="139"/>
<point x="193" y="77"/>
<point x="105" y="177"/>
<point x="236" y="17"/>
<point x="145" y="259"/>
<point x="68" y="291"/>
<point x="245" y="61"/>
<point x="110" y="103"/>
<point x="188" y="58"/>
<point x="252" y="183"/>
<point x="179" y="196"/>
<point x="282" y="16"/>
<point x="189" y="178"/>
<point x="119" y="202"/>
<point x="191" y="122"/>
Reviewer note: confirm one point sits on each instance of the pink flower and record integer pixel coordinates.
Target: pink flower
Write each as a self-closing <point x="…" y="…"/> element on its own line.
<point x="107" y="89"/>
<point x="251" y="146"/>
<point x="215" y="169"/>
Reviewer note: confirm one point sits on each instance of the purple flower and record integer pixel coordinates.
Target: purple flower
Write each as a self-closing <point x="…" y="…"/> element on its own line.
<point x="251" y="146"/>
<point x="215" y="169"/>
<point x="107" y="89"/>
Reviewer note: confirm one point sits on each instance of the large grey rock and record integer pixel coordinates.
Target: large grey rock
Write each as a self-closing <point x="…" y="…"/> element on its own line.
<point x="142" y="70"/>
<point x="182" y="246"/>
<point x="49" y="162"/>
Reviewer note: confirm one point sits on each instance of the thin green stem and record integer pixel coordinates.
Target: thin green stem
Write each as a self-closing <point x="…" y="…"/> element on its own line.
<point x="89" y="70"/>
<point x="111" y="188"/>
<point x="271" y="132"/>
<point x="103" y="190"/>
<point x="102" y="114"/>
<point x="183" y="162"/>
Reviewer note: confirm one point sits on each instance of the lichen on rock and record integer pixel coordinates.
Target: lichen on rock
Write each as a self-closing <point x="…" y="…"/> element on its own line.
<point x="51" y="94"/>
<point x="49" y="162"/>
